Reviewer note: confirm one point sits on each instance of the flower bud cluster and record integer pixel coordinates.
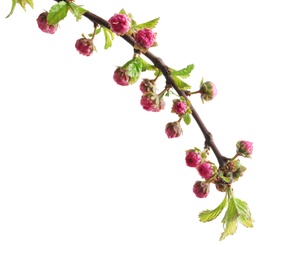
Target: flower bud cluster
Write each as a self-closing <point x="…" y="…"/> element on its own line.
<point x="150" y="100"/>
<point x="223" y="177"/>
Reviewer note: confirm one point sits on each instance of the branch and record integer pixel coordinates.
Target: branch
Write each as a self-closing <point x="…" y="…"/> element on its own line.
<point x="158" y="63"/>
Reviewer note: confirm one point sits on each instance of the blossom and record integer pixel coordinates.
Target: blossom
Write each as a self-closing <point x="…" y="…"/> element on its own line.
<point x="201" y="189"/>
<point x="208" y="90"/>
<point x="145" y="38"/>
<point x="244" y="148"/>
<point x="84" y="46"/>
<point x="173" y="129"/>
<point x="193" y="158"/>
<point x="44" y="25"/>
<point x="120" y="76"/>
<point x="179" y="107"/>
<point x="120" y="23"/>
<point x="205" y="169"/>
<point x="152" y="102"/>
<point x="147" y="86"/>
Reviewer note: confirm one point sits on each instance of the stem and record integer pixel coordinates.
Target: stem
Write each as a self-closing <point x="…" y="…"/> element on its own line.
<point x="164" y="69"/>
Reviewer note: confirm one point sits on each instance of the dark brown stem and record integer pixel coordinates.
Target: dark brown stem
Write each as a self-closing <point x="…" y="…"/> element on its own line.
<point x="164" y="69"/>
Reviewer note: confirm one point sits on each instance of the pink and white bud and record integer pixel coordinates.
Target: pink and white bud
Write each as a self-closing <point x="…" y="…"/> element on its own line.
<point x="206" y="170"/>
<point x="193" y="158"/>
<point x="120" y="76"/>
<point x="208" y="90"/>
<point x="179" y="107"/>
<point x="244" y="148"/>
<point x="147" y="85"/>
<point x="145" y="38"/>
<point x="201" y="189"/>
<point x="44" y="25"/>
<point x="120" y="24"/>
<point x="84" y="46"/>
<point x="173" y="129"/>
<point x="151" y="102"/>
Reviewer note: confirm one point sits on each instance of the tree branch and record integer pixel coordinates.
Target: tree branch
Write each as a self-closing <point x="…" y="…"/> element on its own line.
<point x="158" y="63"/>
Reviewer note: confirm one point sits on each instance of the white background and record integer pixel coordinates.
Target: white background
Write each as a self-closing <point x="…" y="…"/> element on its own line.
<point x="86" y="173"/>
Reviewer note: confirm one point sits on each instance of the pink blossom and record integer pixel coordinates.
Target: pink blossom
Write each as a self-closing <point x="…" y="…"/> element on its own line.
<point x="201" y="189"/>
<point x="173" y="129"/>
<point x="152" y="102"/>
<point x="205" y="170"/>
<point x="84" y="46"/>
<point x="179" y="107"/>
<point x="120" y="23"/>
<point x="44" y="25"/>
<point x="120" y="77"/>
<point x="193" y="158"/>
<point x="244" y="148"/>
<point x="147" y="86"/>
<point x="208" y="91"/>
<point x="145" y="38"/>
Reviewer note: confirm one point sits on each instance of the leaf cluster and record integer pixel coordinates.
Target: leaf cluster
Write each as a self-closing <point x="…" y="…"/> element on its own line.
<point x="237" y="212"/>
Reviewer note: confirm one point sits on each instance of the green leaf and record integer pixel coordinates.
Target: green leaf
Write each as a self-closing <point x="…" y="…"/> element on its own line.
<point x="134" y="69"/>
<point x="14" y="2"/>
<point x="187" y="119"/>
<point x="232" y="212"/>
<point x="76" y="10"/>
<point x="209" y="215"/>
<point x="229" y="229"/>
<point x="150" y="24"/>
<point x="245" y="217"/>
<point x="147" y="66"/>
<point x="183" y="73"/>
<point x="122" y="11"/>
<point x="22" y="3"/>
<point x="57" y="12"/>
<point x="109" y="36"/>
<point x="180" y="84"/>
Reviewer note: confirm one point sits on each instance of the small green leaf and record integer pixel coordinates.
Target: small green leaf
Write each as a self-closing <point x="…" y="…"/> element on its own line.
<point x="150" y="25"/>
<point x="122" y="11"/>
<point x="183" y="73"/>
<point x="20" y="2"/>
<point x="181" y="84"/>
<point x="209" y="215"/>
<point x="187" y="119"/>
<point x="229" y="229"/>
<point x="245" y="217"/>
<point x="232" y="212"/>
<point x="76" y="10"/>
<point x="147" y="66"/>
<point x="109" y="36"/>
<point x="57" y="12"/>
<point x="14" y="2"/>
<point x="134" y="69"/>
<point x="24" y="2"/>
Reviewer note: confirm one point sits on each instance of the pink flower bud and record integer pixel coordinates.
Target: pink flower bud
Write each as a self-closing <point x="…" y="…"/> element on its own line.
<point x="84" y="46"/>
<point x="145" y="38"/>
<point x="179" y="107"/>
<point x="44" y="25"/>
<point x="244" y="148"/>
<point x="151" y="102"/>
<point x="193" y="158"/>
<point x="208" y="91"/>
<point x="120" y="24"/>
<point x="201" y="189"/>
<point x="147" y="86"/>
<point x="120" y="77"/>
<point x="205" y="169"/>
<point x="173" y="130"/>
